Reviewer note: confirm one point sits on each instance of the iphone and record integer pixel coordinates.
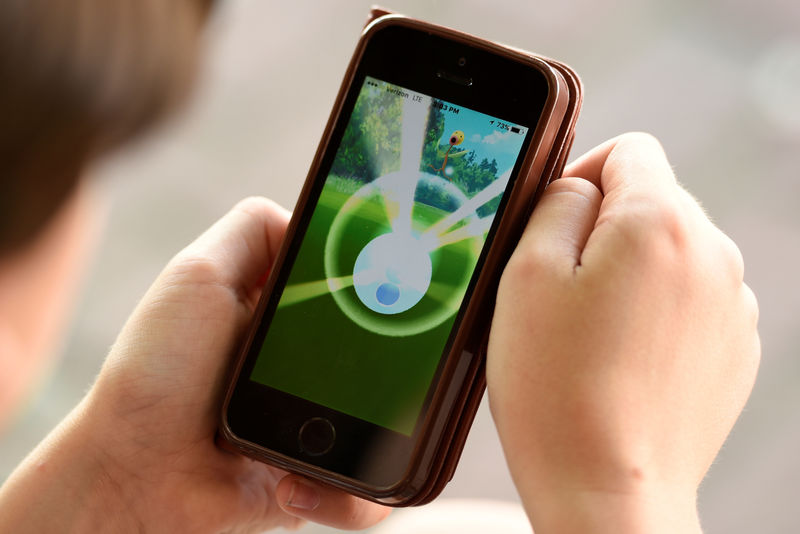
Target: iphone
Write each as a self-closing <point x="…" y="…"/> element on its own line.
<point x="363" y="367"/>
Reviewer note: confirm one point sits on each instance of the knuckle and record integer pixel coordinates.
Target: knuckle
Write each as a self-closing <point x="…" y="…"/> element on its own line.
<point x="194" y="267"/>
<point x="674" y="225"/>
<point x="252" y="204"/>
<point x="526" y="278"/>
<point x="574" y="186"/>
<point x="751" y="356"/>
<point x="751" y="304"/>
<point x="732" y="258"/>
<point x="639" y="139"/>
<point x="755" y="358"/>
<point x="525" y="264"/>
<point x="261" y="209"/>
<point x="654" y="227"/>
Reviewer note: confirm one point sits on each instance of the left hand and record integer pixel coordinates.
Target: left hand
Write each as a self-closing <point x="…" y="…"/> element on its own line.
<point x="148" y="424"/>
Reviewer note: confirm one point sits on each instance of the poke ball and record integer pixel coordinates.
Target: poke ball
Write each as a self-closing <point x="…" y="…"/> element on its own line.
<point x="392" y="273"/>
<point x="456" y="138"/>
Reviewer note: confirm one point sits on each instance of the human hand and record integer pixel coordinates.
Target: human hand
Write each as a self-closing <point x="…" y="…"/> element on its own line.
<point x="142" y="443"/>
<point x="623" y="347"/>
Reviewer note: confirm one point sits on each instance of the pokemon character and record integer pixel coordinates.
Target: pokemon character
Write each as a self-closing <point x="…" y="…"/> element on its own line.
<point x="456" y="138"/>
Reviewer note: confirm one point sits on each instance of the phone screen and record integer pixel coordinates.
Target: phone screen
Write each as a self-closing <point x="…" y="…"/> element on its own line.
<point x="388" y="255"/>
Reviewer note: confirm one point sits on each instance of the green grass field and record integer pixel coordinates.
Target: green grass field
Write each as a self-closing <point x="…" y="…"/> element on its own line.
<point x="314" y="351"/>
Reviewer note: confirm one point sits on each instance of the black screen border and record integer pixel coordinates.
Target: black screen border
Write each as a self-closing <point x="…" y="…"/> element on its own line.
<point x="509" y="90"/>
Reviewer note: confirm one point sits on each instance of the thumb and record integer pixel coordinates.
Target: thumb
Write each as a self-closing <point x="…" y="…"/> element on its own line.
<point x="561" y="224"/>
<point x="325" y="505"/>
<point x="241" y="245"/>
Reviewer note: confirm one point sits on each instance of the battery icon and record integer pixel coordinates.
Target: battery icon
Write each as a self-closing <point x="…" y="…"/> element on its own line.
<point x="514" y="129"/>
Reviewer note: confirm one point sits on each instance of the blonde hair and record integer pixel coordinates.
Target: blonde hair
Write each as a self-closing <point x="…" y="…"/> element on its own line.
<point x="77" y="78"/>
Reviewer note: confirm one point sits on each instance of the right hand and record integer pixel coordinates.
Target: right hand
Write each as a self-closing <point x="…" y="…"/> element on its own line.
<point x="138" y="454"/>
<point x="623" y="347"/>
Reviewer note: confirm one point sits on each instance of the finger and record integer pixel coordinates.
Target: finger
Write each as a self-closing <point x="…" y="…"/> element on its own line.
<point x="631" y="161"/>
<point x="562" y="222"/>
<point x="243" y="243"/>
<point x="641" y="200"/>
<point x="589" y="166"/>
<point x="315" y="502"/>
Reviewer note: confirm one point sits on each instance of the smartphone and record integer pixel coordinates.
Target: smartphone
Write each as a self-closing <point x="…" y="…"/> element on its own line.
<point x="363" y="367"/>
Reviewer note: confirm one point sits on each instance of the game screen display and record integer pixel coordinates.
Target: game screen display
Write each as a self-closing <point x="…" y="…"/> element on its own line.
<point x="388" y="255"/>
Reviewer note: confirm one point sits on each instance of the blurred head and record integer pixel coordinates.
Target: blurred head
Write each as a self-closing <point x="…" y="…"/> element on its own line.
<point x="80" y="77"/>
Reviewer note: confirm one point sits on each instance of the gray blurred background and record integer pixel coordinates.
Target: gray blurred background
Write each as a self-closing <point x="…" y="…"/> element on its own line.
<point x="717" y="82"/>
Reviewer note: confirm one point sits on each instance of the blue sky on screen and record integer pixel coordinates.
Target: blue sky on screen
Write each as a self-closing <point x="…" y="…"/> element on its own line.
<point x="484" y="137"/>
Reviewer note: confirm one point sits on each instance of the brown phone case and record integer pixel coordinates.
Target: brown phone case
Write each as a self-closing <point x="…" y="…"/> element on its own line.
<point x="452" y="408"/>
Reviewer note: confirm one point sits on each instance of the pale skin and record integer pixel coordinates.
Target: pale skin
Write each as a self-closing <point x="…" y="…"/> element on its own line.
<point x="623" y="348"/>
<point x="138" y="454"/>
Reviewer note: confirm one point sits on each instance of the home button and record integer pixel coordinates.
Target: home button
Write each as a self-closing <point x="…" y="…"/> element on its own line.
<point x="316" y="436"/>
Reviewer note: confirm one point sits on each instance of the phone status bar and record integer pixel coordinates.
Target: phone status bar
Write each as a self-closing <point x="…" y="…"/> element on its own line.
<point x="500" y="125"/>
